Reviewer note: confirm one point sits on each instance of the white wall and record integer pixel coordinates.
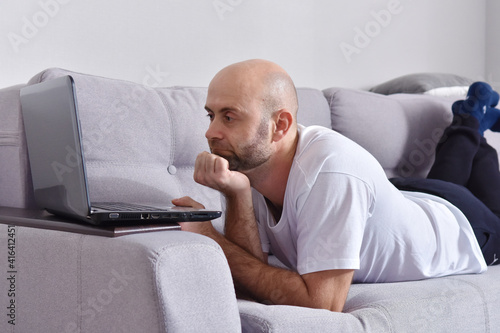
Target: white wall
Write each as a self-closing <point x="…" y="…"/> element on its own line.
<point x="493" y="43"/>
<point x="187" y="41"/>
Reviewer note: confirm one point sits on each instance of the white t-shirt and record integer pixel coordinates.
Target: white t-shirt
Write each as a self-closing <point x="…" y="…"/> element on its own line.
<point x="341" y="212"/>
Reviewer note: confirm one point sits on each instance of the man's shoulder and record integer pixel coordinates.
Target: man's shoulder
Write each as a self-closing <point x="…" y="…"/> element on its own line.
<point x="321" y="143"/>
<point x="322" y="150"/>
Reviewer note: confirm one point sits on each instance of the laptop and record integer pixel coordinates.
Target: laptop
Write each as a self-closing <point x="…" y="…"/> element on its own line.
<point x="52" y="127"/>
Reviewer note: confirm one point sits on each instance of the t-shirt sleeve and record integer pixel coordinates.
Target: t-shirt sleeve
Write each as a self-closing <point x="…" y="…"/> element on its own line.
<point x="333" y="218"/>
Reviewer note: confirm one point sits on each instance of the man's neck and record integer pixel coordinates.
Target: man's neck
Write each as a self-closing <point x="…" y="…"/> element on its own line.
<point x="271" y="179"/>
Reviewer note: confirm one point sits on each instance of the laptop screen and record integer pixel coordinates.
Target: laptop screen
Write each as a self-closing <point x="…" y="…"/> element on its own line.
<point x="54" y="146"/>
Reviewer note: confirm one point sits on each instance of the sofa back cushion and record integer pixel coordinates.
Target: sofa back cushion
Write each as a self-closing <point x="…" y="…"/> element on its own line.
<point x="313" y="108"/>
<point x="15" y="182"/>
<point x="401" y="130"/>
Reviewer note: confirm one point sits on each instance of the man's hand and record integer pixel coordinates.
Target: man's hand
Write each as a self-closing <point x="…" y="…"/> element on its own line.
<point x="213" y="171"/>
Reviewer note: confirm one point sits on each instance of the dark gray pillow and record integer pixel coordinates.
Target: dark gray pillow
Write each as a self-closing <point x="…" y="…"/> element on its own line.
<point x="420" y="83"/>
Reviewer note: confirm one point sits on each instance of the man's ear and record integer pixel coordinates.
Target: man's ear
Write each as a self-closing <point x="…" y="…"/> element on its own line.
<point x="283" y="121"/>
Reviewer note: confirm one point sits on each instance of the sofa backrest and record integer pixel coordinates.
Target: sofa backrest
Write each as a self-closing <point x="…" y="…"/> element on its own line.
<point x="140" y="143"/>
<point x="313" y="108"/>
<point x="400" y="130"/>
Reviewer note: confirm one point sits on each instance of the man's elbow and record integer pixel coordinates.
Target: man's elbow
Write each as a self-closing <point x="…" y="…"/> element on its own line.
<point x="337" y="308"/>
<point x="334" y="306"/>
<point x="330" y="303"/>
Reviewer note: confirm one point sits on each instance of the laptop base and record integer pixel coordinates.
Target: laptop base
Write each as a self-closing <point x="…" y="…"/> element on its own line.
<point x="35" y="218"/>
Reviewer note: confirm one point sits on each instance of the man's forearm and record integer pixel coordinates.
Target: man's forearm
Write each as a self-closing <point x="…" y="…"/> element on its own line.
<point x="261" y="281"/>
<point x="251" y="273"/>
<point x="241" y="226"/>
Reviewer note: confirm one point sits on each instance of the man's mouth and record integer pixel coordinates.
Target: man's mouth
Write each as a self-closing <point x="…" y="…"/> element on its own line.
<point x="226" y="154"/>
<point x="221" y="151"/>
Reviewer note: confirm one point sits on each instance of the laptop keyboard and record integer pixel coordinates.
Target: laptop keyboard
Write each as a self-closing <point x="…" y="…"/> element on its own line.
<point x="123" y="207"/>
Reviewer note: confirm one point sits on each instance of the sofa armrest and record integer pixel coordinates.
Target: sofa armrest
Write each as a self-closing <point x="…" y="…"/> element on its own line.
<point x="153" y="282"/>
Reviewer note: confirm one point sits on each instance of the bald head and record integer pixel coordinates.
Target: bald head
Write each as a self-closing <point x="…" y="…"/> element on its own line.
<point x="262" y="80"/>
<point x="252" y="106"/>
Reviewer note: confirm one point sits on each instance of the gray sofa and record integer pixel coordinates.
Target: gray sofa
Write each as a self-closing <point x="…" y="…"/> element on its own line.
<point x="140" y="144"/>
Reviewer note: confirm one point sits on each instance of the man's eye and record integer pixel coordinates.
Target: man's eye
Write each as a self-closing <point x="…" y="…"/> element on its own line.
<point x="228" y="118"/>
<point x="210" y="116"/>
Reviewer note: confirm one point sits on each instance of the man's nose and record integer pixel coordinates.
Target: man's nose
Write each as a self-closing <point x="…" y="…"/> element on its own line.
<point x="213" y="131"/>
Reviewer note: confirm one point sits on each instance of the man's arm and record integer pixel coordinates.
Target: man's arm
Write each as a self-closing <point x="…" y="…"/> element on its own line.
<point x="240" y="225"/>
<point x="251" y="273"/>
<point x="268" y="284"/>
<point x="272" y="285"/>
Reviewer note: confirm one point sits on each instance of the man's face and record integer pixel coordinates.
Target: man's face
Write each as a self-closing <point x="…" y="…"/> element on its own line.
<point x="237" y="130"/>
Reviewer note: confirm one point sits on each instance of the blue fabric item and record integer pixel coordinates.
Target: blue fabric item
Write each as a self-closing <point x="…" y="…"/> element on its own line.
<point x="480" y="103"/>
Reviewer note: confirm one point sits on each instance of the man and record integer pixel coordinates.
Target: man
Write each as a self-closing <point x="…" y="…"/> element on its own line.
<point x="317" y="200"/>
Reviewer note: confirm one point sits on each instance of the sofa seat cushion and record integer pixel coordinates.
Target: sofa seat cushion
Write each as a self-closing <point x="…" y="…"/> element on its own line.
<point x="460" y="303"/>
<point x="400" y="130"/>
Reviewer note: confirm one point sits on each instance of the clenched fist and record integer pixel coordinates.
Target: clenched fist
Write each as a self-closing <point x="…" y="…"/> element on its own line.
<point x="213" y="171"/>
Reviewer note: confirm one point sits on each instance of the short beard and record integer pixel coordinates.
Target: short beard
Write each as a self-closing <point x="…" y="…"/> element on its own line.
<point x="253" y="154"/>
